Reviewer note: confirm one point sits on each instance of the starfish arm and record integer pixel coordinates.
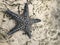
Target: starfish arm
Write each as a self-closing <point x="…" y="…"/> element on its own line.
<point x="35" y="20"/>
<point x="15" y="29"/>
<point x="27" y="31"/>
<point x="13" y="15"/>
<point x="26" y="10"/>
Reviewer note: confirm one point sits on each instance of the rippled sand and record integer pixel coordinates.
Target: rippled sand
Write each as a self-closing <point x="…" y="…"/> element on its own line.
<point x="46" y="32"/>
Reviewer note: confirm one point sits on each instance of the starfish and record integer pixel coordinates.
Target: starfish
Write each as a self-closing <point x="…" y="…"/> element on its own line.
<point x="24" y="22"/>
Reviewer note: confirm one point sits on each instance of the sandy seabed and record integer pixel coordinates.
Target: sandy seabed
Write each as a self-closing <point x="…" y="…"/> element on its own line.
<point x="46" y="32"/>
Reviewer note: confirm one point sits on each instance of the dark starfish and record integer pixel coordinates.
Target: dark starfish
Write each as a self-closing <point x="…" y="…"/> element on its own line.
<point x="24" y="22"/>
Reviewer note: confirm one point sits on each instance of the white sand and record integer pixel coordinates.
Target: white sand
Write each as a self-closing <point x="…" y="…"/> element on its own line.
<point x="44" y="32"/>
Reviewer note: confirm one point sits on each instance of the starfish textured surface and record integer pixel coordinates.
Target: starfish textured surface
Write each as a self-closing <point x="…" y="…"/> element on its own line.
<point x="23" y="21"/>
